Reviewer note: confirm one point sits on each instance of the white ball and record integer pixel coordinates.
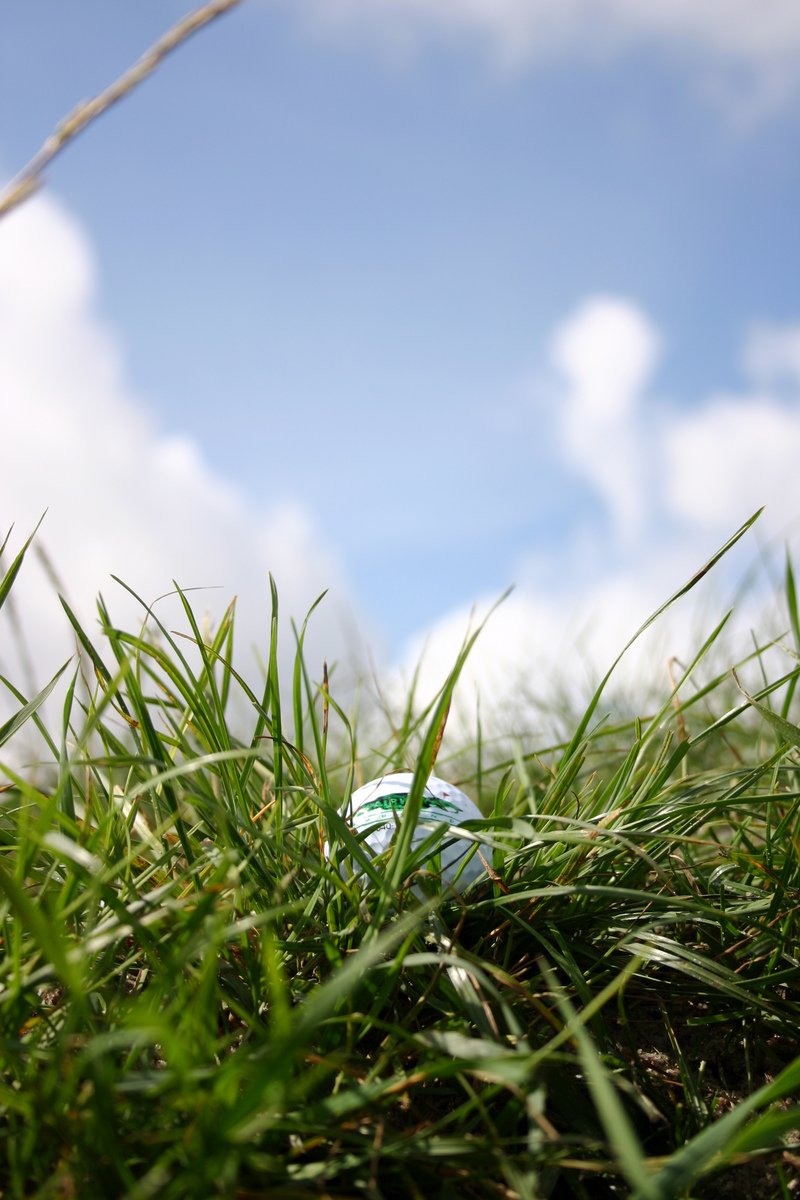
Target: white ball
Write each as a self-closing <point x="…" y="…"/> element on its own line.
<point x="376" y="809"/>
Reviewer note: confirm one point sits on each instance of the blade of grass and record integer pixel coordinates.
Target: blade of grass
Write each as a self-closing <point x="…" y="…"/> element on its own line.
<point x="717" y="1143"/>
<point x="7" y="582"/>
<point x="10" y="727"/>
<point x="616" y="1123"/>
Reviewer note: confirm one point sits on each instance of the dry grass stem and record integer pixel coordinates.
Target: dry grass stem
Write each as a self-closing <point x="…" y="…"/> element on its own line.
<point x="30" y="178"/>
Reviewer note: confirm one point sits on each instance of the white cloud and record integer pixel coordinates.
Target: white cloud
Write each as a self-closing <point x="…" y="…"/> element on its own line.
<point x="730" y="457"/>
<point x="542" y="653"/>
<point x="732" y="453"/>
<point x="122" y="496"/>
<point x="126" y="498"/>
<point x="677" y="483"/>
<point x="709" y="465"/>
<point x="747" y="50"/>
<point x="772" y="354"/>
<point x="606" y="351"/>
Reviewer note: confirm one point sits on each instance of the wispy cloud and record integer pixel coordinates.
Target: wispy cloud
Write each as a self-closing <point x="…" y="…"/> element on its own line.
<point x="772" y="354"/>
<point x="744" y="52"/>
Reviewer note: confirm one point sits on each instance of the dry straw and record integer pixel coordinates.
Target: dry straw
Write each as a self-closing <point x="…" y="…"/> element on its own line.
<point x="31" y="177"/>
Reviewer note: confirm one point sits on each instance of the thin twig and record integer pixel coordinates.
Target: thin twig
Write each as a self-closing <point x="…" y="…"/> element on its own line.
<point x="30" y="178"/>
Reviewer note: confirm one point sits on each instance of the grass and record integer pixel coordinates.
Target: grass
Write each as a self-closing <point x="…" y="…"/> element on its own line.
<point x="197" y="1002"/>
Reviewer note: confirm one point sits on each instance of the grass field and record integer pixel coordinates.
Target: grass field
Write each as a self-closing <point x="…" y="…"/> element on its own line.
<point x="197" y="1002"/>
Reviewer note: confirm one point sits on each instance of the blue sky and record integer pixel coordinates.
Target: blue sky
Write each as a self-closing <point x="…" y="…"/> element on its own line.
<point x="335" y="258"/>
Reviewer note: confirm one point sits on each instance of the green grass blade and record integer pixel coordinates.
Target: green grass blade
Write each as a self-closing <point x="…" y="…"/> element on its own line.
<point x="10" y="727"/>
<point x="711" y="1148"/>
<point x="7" y="582"/>
<point x="618" y="1127"/>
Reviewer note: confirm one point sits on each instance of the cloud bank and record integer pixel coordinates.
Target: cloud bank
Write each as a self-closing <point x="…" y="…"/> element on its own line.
<point x="708" y="465"/>
<point x="671" y="483"/>
<point x="122" y="495"/>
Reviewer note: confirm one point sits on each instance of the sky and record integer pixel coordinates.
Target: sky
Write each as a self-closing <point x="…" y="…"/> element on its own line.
<point x="412" y="302"/>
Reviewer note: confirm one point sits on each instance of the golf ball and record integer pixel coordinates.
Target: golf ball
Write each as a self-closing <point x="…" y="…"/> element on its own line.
<point x="376" y="808"/>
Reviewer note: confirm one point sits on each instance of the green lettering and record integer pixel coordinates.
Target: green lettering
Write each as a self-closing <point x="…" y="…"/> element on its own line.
<point x="397" y="800"/>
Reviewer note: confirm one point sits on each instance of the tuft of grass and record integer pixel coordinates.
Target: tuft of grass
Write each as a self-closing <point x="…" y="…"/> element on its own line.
<point x="196" y="1000"/>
